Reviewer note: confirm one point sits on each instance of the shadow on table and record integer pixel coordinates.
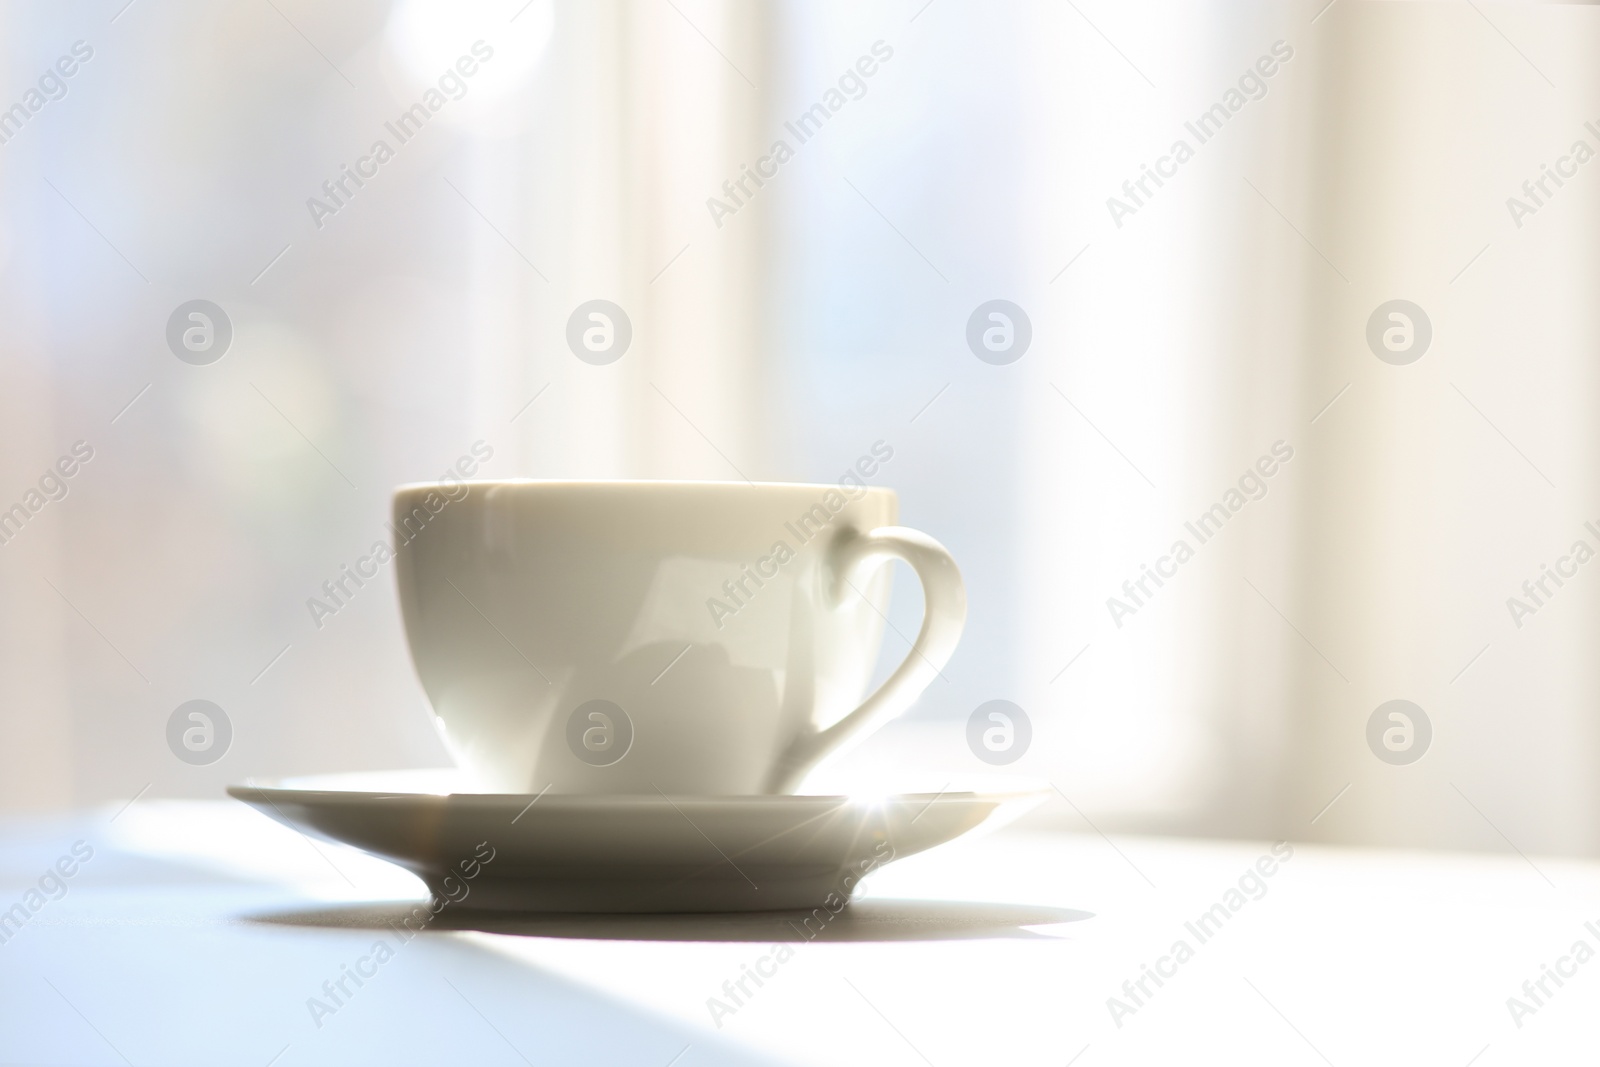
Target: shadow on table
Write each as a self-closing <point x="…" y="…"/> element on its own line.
<point x="867" y="920"/>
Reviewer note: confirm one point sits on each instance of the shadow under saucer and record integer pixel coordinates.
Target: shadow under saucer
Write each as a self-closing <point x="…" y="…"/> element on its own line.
<point x="867" y="920"/>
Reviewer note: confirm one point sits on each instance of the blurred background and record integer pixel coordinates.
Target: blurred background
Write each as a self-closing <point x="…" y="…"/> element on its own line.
<point x="1181" y="327"/>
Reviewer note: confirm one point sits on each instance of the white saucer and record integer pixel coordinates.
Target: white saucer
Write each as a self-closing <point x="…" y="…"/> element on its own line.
<point x="565" y="853"/>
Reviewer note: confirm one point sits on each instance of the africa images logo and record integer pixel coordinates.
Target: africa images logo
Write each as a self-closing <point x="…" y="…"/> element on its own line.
<point x="199" y="732"/>
<point x="599" y="732"/>
<point x="199" y="332"/>
<point x="999" y="732"/>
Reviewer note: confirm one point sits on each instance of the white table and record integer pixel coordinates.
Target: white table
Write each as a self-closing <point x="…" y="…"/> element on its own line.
<point x="197" y="933"/>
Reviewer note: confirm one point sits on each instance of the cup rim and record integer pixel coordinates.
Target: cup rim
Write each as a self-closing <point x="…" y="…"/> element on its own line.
<point x="637" y="483"/>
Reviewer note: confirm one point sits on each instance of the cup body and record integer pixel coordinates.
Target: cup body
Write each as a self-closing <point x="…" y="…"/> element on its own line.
<point x="634" y="637"/>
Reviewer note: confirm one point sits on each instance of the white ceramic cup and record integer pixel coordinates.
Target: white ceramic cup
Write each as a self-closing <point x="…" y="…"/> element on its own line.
<point x="660" y="637"/>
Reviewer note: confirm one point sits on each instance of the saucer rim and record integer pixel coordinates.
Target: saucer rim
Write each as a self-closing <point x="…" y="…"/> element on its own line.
<point x="245" y="791"/>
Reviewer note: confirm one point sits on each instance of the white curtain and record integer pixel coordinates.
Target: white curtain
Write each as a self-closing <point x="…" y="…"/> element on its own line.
<point x="1231" y="312"/>
<point x="1178" y="339"/>
<point x="376" y="348"/>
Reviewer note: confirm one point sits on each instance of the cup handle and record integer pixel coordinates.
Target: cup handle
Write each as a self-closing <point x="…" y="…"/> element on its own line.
<point x="852" y="558"/>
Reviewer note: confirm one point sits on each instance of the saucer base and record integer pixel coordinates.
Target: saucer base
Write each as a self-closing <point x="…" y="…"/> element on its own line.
<point x="654" y="891"/>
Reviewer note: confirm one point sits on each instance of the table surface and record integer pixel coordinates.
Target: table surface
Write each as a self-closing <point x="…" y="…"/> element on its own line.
<point x="203" y="933"/>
